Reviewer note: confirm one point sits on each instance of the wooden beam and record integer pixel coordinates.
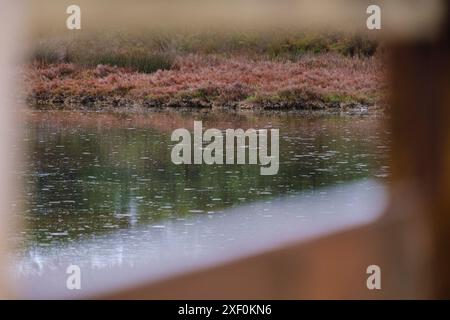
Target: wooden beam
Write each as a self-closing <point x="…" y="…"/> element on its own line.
<point x="420" y="110"/>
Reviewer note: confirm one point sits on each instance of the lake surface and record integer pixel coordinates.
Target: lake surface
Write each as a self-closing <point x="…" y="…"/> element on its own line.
<point x="89" y="176"/>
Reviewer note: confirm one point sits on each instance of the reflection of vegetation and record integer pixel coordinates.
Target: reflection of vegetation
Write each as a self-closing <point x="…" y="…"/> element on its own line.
<point x="88" y="180"/>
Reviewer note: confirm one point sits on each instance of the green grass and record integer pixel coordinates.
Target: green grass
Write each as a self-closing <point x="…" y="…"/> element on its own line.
<point x="141" y="61"/>
<point x="45" y="54"/>
<point x="148" y="52"/>
<point x="93" y="51"/>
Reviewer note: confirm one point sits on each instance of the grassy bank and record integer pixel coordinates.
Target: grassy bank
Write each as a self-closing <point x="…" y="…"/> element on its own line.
<point x="236" y="70"/>
<point x="312" y="82"/>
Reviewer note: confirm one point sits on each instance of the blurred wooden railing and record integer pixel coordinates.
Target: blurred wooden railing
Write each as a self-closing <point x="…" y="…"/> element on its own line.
<point x="420" y="84"/>
<point x="10" y="52"/>
<point x="401" y="19"/>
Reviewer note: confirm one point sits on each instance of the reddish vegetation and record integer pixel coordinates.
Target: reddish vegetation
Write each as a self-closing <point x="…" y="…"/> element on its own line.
<point x="312" y="82"/>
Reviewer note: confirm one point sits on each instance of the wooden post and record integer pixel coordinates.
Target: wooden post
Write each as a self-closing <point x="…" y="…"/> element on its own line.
<point x="420" y="83"/>
<point x="9" y="51"/>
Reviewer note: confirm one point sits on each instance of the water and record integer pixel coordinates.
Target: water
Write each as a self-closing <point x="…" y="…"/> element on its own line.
<point x="94" y="175"/>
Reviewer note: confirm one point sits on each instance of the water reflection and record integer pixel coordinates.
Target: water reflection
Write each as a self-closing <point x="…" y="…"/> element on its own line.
<point x="149" y="253"/>
<point x="88" y="175"/>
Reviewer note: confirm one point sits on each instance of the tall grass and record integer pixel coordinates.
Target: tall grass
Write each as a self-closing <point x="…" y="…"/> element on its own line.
<point x="149" y="52"/>
<point x="46" y="53"/>
<point x="141" y="61"/>
<point x="93" y="51"/>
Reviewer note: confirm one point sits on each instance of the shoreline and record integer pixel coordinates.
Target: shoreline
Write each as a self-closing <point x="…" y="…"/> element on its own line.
<point x="148" y="111"/>
<point x="114" y="104"/>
